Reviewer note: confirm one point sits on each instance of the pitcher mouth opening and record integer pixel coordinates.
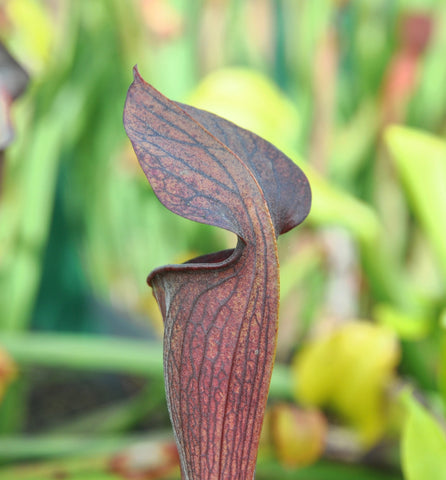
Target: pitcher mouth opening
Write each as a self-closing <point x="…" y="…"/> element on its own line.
<point x="216" y="257"/>
<point x="207" y="261"/>
<point x="219" y="258"/>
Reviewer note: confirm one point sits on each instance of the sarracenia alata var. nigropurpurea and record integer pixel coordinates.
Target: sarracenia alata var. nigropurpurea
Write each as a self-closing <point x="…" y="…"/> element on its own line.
<point x="220" y="310"/>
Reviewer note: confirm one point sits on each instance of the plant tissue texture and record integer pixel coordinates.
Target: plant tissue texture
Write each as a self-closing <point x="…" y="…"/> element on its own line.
<point x="220" y="310"/>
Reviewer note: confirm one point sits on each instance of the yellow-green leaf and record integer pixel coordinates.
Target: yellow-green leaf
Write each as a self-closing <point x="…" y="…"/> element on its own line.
<point x="421" y="162"/>
<point x="250" y="100"/>
<point x="407" y="327"/>
<point x="348" y="371"/>
<point x="423" y="447"/>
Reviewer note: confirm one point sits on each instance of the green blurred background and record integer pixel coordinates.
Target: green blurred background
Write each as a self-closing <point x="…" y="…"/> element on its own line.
<point x="355" y="93"/>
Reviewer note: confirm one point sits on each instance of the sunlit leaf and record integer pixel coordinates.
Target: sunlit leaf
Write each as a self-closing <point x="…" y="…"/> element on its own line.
<point x="423" y="444"/>
<point x="421" y="162"/>
<point x="234" y="94"/>
<point x="35" y="30"/>
<point x="405" y="326"/>
<point x="220" y="310"/>
<point x="348" y="371"/>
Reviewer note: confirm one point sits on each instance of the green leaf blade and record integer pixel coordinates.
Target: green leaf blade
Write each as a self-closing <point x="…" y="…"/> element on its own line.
<point x="423" y="449"/>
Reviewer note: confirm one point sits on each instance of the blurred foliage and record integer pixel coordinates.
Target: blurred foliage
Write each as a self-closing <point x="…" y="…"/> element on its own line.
<point x="352" y="91"/>
<point x="423" y="444"/>
<point x="420" y="161"/>
<point x="349" y="370"/>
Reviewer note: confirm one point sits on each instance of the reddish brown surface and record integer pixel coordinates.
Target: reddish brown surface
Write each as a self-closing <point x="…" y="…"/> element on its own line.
<point x="401" y="78"/>
<point x="220" y="310"/>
